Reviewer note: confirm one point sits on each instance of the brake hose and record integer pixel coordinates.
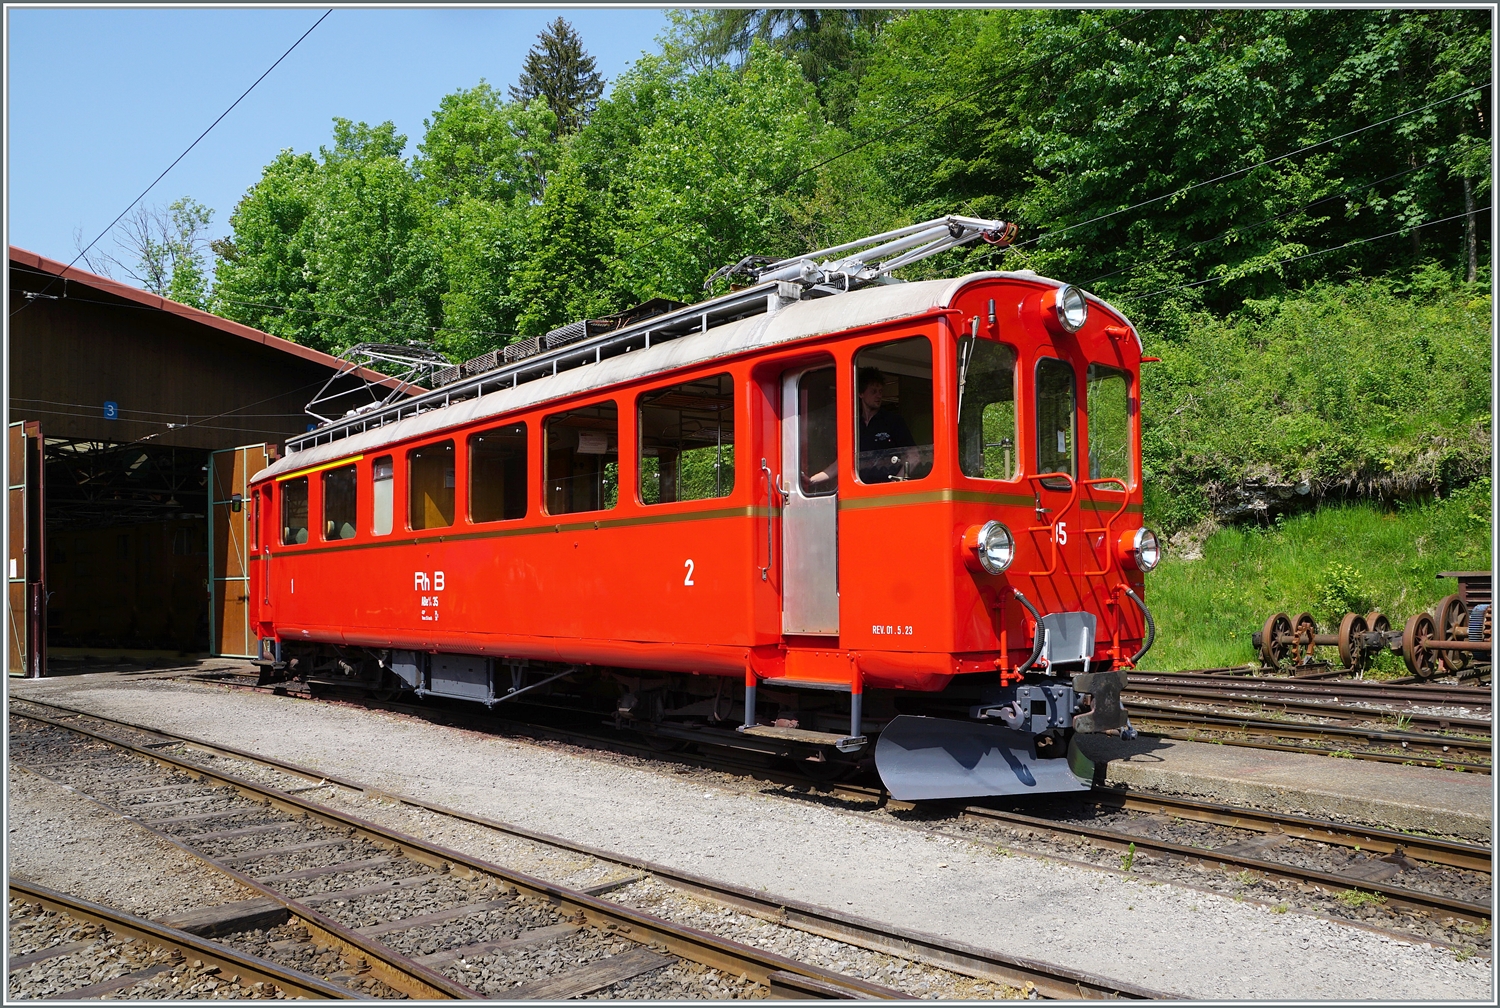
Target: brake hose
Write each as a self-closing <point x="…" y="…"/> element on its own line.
<point x="1150" y="626"/>
<point x="1038" y="637"/>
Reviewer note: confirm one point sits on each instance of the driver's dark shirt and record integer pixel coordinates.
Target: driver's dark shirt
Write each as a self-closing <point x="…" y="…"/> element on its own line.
<point x="884" y="432"/>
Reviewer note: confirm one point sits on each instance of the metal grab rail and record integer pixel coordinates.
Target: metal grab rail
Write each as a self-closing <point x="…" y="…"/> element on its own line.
<point x="1072" y="499"/>
<point x="771" y="491"/>
<point x="1109" y="526"/>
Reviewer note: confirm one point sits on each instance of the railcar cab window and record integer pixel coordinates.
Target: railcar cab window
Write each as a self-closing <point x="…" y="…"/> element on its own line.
<point x="893" y="411"/>
<point x="687" y="441"/>
<point x="987" y="411"/>
<point x="430" y="479"/>
<point x="338" y="503"/>
<point x="497" y="474"/>
<point x="1056" y="419"/>
<point x="383" y="473"/>
<point x="817" y="432"/>
<point x="582" y="459"/>
<point x="1109" y="408"/>
<point x="294" y="511"/>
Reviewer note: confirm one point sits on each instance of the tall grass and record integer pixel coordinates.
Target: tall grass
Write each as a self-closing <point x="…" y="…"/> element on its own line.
<point x="1334" y="560"/>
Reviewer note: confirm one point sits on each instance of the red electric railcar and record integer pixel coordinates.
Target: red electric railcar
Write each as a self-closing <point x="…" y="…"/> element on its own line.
<point x="818" y="509"/>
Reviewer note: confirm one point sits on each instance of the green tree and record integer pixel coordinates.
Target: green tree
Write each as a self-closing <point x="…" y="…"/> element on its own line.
<point x="163" y="250"/>
<point x="558" y="70"/>
<point x="829" y="45"/>
<point x="332" y="251"/>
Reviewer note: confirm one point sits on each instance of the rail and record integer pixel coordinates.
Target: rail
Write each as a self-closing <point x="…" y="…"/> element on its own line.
<point x="1050" y="980"/>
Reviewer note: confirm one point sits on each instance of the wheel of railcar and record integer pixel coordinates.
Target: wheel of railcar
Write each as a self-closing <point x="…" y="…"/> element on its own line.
<point x="1351" y="642"/>
<point x="1272" y="648"/>
<point x="1376" y="622"/>
<point x="1420" y="629"/>
<point x="1453" y="624"/>
<point x="1305" y="628"/>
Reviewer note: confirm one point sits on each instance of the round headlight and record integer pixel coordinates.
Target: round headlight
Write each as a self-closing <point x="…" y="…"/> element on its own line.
<point x="994" y="547"/>
<point x="1147" y="549"/>
<point x="1072" y="308"/>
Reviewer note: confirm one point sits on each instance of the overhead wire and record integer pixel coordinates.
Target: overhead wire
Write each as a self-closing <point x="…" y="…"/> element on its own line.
<point x="84" y="251"/>
<point x="1247" y="228"/>
<point x="1309" y="255"/>
<point x="1260" y="164"/>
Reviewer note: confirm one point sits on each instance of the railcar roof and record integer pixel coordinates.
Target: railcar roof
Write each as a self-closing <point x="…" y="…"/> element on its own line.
<point x="796" y="321"/>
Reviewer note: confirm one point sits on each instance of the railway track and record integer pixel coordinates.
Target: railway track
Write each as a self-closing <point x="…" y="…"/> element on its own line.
<point x="246" y="825"/>
<point x="1340" y="691"/>
<point x="1266" y="845"/>
<point x="61" y="944"/>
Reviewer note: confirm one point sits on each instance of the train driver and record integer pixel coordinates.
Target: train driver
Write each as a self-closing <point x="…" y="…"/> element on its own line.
<point x="883" y="434"/>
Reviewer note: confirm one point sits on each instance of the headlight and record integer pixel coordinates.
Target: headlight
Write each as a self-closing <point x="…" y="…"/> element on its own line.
<point x="989" y="547"/>
<point x="1072" y="308"/>
<point x="1141" y="549"/>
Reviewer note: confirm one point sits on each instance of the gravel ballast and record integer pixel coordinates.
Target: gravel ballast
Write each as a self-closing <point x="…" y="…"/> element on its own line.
<point x="1155" y="935"/>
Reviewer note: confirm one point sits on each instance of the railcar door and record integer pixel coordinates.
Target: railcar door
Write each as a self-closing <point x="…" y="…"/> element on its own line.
<point x="809" y="517"/>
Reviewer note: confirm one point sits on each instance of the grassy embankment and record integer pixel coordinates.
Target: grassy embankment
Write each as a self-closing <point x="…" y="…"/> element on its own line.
<point x="1334" y="560"/>
<point x="1361" y="392"/>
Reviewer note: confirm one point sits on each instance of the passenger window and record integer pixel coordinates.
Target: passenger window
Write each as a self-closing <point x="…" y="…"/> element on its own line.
<point x="1056" y="413"/>
<point x="497" y="474"/>
<point x="338" y="503"/>
<point x="687" y="441"/>
<point x="893" y="411"/>
<point x="294" y="511"/>
<point x="583" y="464"/>
<point x="430" y="478"/>
<point x="383" y="471"/>
<point x="1108" y="404"/>
<point x="987" y="411"/>
<point x="817" y="432"/>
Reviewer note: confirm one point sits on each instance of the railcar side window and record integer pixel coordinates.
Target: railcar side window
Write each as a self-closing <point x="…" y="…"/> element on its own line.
<point x="383" y="470"/>
<point x="583" y="462"/>
<point x="987" y="413"/>
<point x="430" y="476"/>
<point x="338" y="502"/>
<point x="817" y="431"/>
<point x="294" y="511"/>
<point x="1056" y="417"/>
<point x="1108" y="404"/>
<point x="497" y="474"/>
<point x="687" y="441"/>
<point x="893" y="411"/>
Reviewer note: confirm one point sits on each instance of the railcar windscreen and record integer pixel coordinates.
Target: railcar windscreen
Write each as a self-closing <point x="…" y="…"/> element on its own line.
<point x="987" y="417"/>
<point x="893" y="411"/>
<point x="1108" y="404"/>
<point x="430" y="477"/>
<point x="687" y="441"/>
<point x="338" y="502"/>
<point x="582" y="458"/>
<point x="383" y="472"/>
<point x="1056" y="411"/>
<point x="497" y="474"/>
<point x="294" y="511"/>
<point x="818" y="448"/>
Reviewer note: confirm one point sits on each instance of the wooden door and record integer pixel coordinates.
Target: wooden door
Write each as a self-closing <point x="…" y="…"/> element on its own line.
<point x="229" y="537"/>
<point x="26" y="590"/>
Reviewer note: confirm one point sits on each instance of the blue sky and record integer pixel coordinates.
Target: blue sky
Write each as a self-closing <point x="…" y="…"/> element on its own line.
<point x="101" y="100"/>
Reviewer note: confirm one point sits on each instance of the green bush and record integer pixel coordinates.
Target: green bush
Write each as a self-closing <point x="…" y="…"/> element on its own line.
<point x="1358" y="391"/>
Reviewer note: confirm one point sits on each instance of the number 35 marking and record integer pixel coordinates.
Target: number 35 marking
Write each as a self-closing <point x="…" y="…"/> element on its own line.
<point x="1062" y="533"/>
<point x="689" y="565"/>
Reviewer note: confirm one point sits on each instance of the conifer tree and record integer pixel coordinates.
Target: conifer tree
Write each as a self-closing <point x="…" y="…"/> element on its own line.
<point x="558" y="69"/>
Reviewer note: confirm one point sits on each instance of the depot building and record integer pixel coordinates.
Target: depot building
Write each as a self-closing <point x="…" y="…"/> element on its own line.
<point x="135" y="424"/>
